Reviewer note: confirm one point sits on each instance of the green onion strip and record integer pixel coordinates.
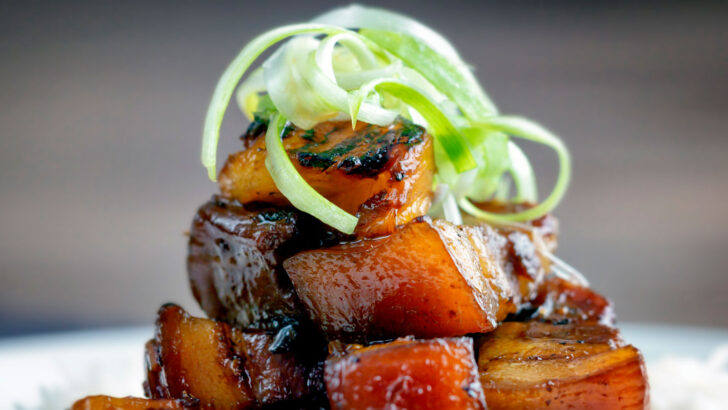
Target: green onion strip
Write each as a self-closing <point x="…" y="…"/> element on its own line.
<point x="438" y="124"/>
<point x="294" y="187"/>
<point x="523" y="128"/>
<point x="453" y="79"/>
<point x="392" y="66"/>
<point x="232" y="75"/>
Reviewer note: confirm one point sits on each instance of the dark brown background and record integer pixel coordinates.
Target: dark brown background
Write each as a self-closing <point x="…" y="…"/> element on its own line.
<point x="102" y="106"/>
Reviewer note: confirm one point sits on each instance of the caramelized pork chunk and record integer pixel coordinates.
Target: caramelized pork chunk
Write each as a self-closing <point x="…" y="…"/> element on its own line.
<point x="278" y="377"/>
<point x="576" y="366"/>
<point x="382" y="174"/>
<point x="546" y="227"/>
<point x="234" y="260"/>
<point x="429" y="278"/>
<point x="406" y="374"/>
<point x="562" y="301"/>
<point x="132" y="403"/>
<point x="192" y="357"/>
<point x="220" y="366"/>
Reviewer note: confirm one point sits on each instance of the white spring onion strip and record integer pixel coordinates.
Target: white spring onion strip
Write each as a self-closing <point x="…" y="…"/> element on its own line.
<point x="321" y="76"/>
<point x="523" y="175"/>
<point x="503" y="192"/>
<point x="450" y="210"/>
<point x="560" y="267"/>
<point x="566" y="271"/>
<point x="392" y="66"/>
<point x="231" y="77"/>
<point x="353" y="80"/>
<point x="292" y="185"/>
<point x="452" y="78"/>
<point x="248" y="93"/>
<point x="523" y="128"/>
<point x="285" y="81"/>
<point x="439" y="125"/>
<point x="356" y="16"/>
<point x="444" y="205"/>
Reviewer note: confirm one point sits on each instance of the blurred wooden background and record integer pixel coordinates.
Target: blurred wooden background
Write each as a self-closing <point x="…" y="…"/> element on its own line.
<point x="102" y="108"/>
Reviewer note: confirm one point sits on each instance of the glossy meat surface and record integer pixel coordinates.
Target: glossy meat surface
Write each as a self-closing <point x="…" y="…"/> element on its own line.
<point x="382" y="174"/>
<point x="278" y="377"/>
<point x="577" y="366"/>
<point x="562" y="301"/>
<point x="233" y="261"/>
<point x="406" y="374"/>
<point x="132" y="403"/>
<point x="221" y="366"/>
<point x="428" y="279"/>
<point x="196" y="357"/>
<point x="546" y="227"/>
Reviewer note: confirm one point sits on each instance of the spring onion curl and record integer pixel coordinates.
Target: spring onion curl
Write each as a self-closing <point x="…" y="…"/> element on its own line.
<point x="292" y="185"/>
<point x="385" y="20"/>
<point x="559" y="267"/>
<point x="231" y="77"/>
<point x="522" y="174"/>
<point x="449" y="138"/>
<point x="372" y="65"/>
<point x="523" y="128"/>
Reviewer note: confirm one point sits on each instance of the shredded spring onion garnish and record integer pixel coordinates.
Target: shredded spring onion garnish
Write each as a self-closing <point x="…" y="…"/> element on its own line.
<point x="372" y="65"/>
<point x="292" y="185"/>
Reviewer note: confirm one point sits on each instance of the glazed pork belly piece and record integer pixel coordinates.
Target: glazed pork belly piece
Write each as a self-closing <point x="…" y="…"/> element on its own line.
<point x="224" y="368"/>
<point x="567" y="356"/>
<point x="406" y="374"/>
<point x="560" y="301"/>
<point x="234" y="257"/>
<point x="429" y="278"/>
<point x="132" y="403"/>
<point x="543" y="231"/>
<point x="575" y="366"/>
<point x="382" y="174"/>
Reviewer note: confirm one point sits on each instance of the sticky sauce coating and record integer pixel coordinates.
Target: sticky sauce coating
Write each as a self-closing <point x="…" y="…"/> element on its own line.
<point x="430" y="278"/>
<point x="222" y="367"/>
<point x="407" y="374"/>
<point x="381" y="174"/>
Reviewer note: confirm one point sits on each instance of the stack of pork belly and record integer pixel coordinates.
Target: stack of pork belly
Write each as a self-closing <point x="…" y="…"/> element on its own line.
<point x="408" y="312"/>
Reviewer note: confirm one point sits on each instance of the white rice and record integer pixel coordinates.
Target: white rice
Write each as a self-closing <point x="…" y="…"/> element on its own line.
<point x="677" y="383"/>
<point x="685" y="383"/>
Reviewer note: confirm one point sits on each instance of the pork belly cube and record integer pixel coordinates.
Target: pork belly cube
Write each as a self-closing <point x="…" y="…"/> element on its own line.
<point x="546" y="227"/>
<point x="562" y="301"/>
<point x="288" y="376"/>
<point x="234" y="257"/>
<point x="215" y="363"/>
<point x="194" y="357"/>
<point x="406" y="374"/>
<point x="132" y="403"/>
<point x="382" y="174"/>
<point x="429" y="278"/>
<point x="576" y="366"/>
